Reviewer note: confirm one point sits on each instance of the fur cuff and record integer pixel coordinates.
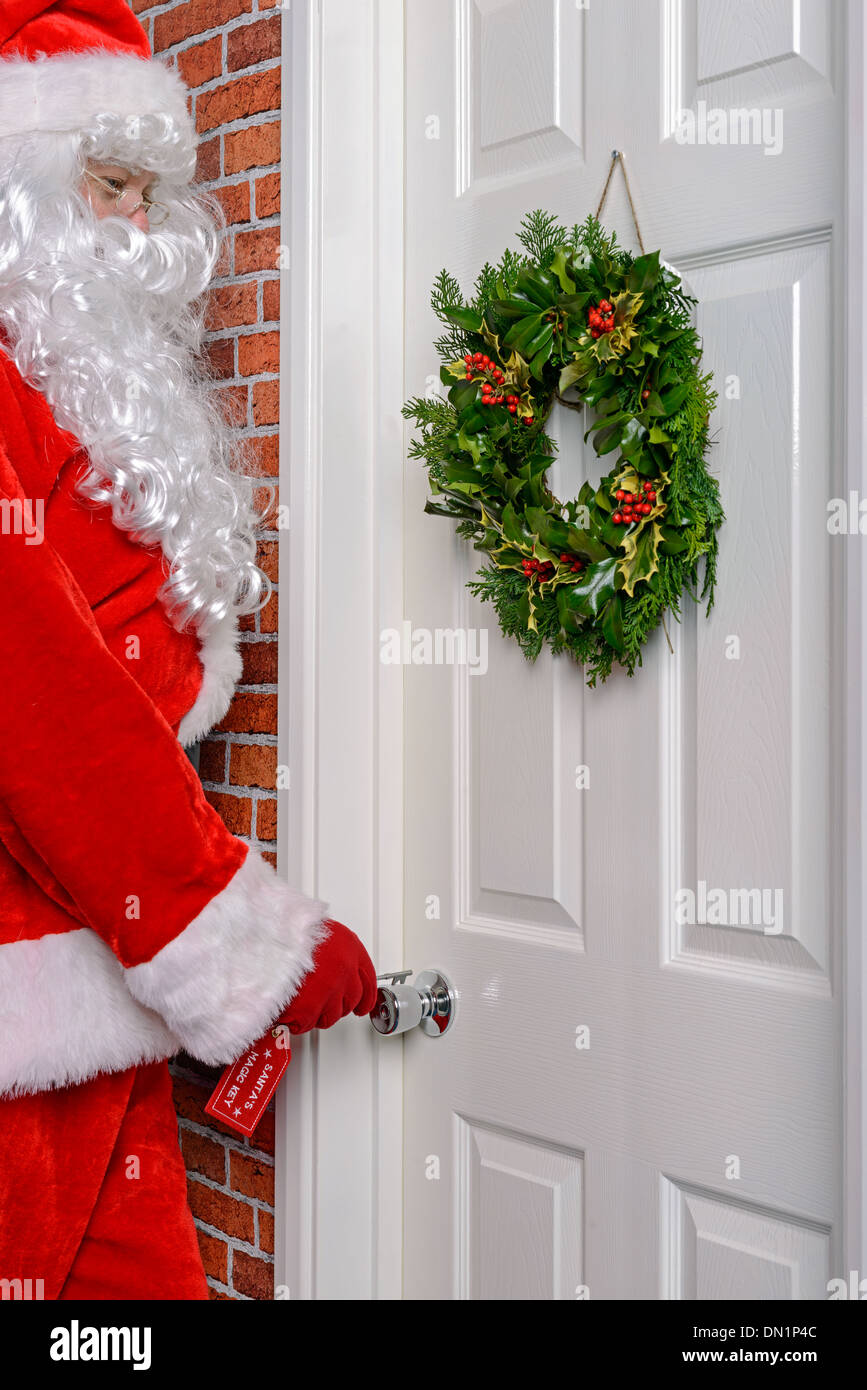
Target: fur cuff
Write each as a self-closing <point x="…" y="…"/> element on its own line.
<point x="222" y="665"/>
<point x="66" y="1014"/>
<point x="228" y="975"/>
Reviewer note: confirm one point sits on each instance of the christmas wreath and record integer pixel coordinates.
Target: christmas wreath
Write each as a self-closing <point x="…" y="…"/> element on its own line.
<point x="575" y="314"/>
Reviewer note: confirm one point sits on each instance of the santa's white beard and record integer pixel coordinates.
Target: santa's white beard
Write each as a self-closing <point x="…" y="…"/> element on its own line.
<point x="105" y="320"/>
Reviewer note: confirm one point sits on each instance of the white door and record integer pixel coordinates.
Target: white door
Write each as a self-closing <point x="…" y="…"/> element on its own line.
<point x="693" y="1150"/>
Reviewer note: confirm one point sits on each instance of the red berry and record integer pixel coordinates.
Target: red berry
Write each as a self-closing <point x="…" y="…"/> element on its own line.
<point x="609" y="324"/>
<point x="620" y="494"/>
<point x="646" y="509"/>
<point x="645" y="395"/>
<point x="513" y="410"/>
<point x="647" y="486"/>
<point x="528" y="419"/>
<point x="595" y="333"/>
<point x="651" y="497"/>
<point x="469" y="376"/>
<point x="605" y="306"/>
<point x="629" y="498"/>
<point x="617" y="519"/>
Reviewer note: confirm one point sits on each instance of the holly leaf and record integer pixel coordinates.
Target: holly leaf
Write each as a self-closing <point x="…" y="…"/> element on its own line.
<point x="558" y="267"/>
<point x="611" y="622"/>
<point x="640" y="555"/>
<point x="537" y="285"/>
<point x="466" y="318"/>
<point x="643" y="273"/>
<point x="586" y="598"/>
<point x="672" y="541"/>
<point x="674" y="398"/>
<point x="587" y="546"/>
<point x="474" y="444"/>
<point x="512" y="528"/>
<point x="571" y="373"/>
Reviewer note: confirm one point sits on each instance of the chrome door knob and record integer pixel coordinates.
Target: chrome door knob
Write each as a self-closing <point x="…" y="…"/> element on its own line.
<point x="399" y="1006"/>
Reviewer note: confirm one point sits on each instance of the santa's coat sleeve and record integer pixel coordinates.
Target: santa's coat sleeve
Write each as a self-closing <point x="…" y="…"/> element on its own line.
<point x="98" y="794"/>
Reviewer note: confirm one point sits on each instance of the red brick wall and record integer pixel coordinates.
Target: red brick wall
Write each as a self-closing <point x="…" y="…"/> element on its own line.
<point x="228" y="52"/>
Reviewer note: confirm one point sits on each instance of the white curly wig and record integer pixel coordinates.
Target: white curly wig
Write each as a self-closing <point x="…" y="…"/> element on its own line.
<point x="107" y="321"/>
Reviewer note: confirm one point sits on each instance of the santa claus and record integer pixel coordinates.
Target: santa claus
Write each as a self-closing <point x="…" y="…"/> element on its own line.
<point x="133" y="925"/>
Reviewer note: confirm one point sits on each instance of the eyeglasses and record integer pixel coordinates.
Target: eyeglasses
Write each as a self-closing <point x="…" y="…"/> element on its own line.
<point x="125" y="201"/>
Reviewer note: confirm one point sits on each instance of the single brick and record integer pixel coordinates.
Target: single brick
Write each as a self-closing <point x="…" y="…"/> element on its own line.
<point x="260" y="662"/>
<point x="268" y="615"/>
<point x="266" y="403"/>
<point x="253" y="1177"/>
<point x="252" y="148"/>
<point x="272" y="860"/>
<point x="235" y="811"/>
<point x="240" y="97"/>
<point x="138" y="5"/>
<point x="231" y="305"/>
<point x="247" y="622"/>
<point x="262" y="455"/>
<point x="203" y="1156"/>
<point x="266" y="1232"/>
<point x="251" y="713"/>
<point x="201" y="63"/>
<point x="263" y="1140"/>
<point x="253" y="764"/>
<point x="208" y="160"/>
<point x="220" y="357"/>
<point x="233" y="402"/>
<point x="258" y="353"/>
<point x="234" y="198"/>
<point x="266" y="500"/>
<point x="268" y="195"/>
<point x="267" y="558"/>
<point x="252" y="1277"/>
<point x="254" y="43"/>
<point x="212" y="761"/>
<point x="271" y="301"/>
<point x="266" y="820"/>
<point x="257" y="249"/>
<point x="195" y="17"/>
<point x="190" y="1099"/>
<point x="223" y="267"/>
<point x="218" y="1209"/>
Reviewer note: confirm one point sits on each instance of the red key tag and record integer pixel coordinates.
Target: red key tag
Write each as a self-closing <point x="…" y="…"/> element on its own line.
<point x="247" y="1085"/>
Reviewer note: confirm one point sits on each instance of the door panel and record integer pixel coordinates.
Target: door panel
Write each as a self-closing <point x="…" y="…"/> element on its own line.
<point x="631" y="1106"/>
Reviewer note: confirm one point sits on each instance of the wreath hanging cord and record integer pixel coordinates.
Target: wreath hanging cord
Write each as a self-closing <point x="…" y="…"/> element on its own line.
<point x="592" y="576"/>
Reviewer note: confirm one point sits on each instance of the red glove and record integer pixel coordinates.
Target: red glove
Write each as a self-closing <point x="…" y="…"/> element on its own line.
<point x="343" y="978"/>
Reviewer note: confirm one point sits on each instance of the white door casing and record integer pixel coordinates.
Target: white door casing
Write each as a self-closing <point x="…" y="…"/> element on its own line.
<point x="605" y="1166"/>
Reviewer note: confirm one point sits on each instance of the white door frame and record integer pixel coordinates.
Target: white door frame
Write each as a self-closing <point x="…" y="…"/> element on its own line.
<point x="340" y="1110"/>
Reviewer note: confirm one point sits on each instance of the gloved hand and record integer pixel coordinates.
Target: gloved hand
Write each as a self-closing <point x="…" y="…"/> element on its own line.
<point x="343" y="978"/>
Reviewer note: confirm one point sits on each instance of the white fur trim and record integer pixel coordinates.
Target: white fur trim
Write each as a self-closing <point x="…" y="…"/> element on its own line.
<point x="63" y="92"/>
<point x="223" y="979"/>
<point x="66" y="1014"/>
<point x="222" y="664"/>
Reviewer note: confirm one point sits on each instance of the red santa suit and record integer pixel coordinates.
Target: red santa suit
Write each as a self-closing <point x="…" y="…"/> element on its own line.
<point x="133" y="924"/>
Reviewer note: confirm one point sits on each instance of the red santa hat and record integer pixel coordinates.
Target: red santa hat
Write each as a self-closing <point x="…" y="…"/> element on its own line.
<point x="63" y="64"/>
